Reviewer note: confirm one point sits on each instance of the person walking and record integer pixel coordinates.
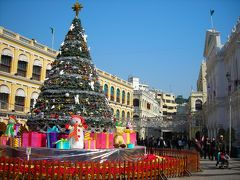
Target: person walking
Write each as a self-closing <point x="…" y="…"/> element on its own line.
<point x="221" y="148"/>
<point x="213" y="149"/>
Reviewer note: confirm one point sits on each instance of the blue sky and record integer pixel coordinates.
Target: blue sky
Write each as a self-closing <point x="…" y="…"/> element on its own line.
<point x="161" y="42"/>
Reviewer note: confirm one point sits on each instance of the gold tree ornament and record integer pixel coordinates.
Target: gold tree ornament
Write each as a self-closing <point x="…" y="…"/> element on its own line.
<point x="77" y="7"/>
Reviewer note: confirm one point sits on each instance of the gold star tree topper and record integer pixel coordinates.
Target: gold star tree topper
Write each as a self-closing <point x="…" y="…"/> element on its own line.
<point x="77" y="7"/>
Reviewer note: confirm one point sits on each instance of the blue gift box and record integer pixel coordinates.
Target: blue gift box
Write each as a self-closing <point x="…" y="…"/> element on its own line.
<point x="131" y="146"/>
<point x="62" y="144"/>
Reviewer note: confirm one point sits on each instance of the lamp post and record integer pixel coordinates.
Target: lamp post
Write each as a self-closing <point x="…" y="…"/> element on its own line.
<point x="228" y="75"/>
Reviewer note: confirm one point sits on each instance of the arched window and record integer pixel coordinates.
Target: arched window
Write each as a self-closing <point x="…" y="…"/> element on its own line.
<point x="112" y="94"/>
<point x="4" y="97"/>
<point x="136" y="102"/>
<point x="117" y="114"/>
<point x="198" y="105"/>
<point x="128" y="98"/>
<point x="128" y="115"/>
<point x="123" y="97"/>
<point x="106" y="90"/>
<point x="123" y="115"/>
<point x="6" y="60"/>
<point x="19" y="100"/>
<point x="33" y="99"/>
<point x="48" y="69"/>
<point x="37" y="67"/>
<point x="118" y="95"/>
<point x="22" y="65"/>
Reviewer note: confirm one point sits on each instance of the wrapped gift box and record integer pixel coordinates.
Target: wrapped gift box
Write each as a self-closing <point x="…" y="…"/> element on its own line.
<point x="52" y="137"/>
<point x="15" y="141"/>
<point x="4" y="140"/>
<point x="62" y="144"/>
<point x="103" y="140"/>
<point x="129" y="138"/>
<point x="87" y="135"/>
<point x="16" y="129"/>
<point x="89" y="144"/>
<point x="33" y="139"/>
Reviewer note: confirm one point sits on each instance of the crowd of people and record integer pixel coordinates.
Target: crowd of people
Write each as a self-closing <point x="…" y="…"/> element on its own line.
<point x="160" y="142"/>
<point x="208" y="148"/>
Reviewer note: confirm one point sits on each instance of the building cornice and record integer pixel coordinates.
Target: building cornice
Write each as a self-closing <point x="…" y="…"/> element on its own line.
<point x="31" y="44"/>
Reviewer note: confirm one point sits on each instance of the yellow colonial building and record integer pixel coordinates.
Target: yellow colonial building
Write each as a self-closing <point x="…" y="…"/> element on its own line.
<point x="119" y="93"/>
<point x="24" y="65"/>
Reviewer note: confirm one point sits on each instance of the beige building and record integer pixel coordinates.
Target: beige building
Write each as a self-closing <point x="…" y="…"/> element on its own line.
<point x="168" y="106"/>
<point x="197" y="121"/>
<point x="24" y="64"/>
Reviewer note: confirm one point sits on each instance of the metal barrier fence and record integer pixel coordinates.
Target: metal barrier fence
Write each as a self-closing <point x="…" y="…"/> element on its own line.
<point x="149" y="168"/>
<point x="192" y="156"/>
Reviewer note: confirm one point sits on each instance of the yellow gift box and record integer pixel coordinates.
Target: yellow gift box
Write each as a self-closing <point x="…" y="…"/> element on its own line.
<point x="15" y="141"/>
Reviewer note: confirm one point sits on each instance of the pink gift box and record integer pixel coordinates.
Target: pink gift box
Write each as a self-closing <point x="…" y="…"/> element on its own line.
<point x="103" y="140"/>
<point x="89" y="144"/>
<point x="129" y="138"/>
<point x="4" y="140"/>
<point x="34" y="139"/>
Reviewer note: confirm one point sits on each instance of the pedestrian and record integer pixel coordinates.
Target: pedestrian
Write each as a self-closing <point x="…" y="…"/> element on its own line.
<point x="213" y="149"/>
<point x="221" y="148"/>
<point x="206" y="148"/>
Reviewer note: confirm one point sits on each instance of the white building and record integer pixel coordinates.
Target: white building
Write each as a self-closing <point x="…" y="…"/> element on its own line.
<point x="197" y="100"/>
<point x="145" y="105"/>
<point x="223" y="82"/>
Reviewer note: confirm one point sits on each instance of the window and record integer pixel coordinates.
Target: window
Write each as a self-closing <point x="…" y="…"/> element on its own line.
<point x="36" y="73"/>
<point x="5" y="64"/>
<point x="117" y="114"/>
<point x="164" y="112"/>
<point x="37" y="66"/>
<point x="123" y="115"/>
<point x="198" y="105"/>
<point x="128" y="115"/>
<point x="22" y="68"/>
<point x="105" y="90"/>
<point x="148" y="106"/>
<point x="128" y="98"/>
<point x="19" y="100"/>
<point x="118" y="95"/>
<point x="112" y="94"/>
<point x="136" y="102"/>
<point x="165" y="106"/>
<point x="4" y="97"/>
<point x="123" y="97"/>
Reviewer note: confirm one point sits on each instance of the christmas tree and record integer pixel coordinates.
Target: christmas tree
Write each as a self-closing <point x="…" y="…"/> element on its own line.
<point x="71" y="86"/>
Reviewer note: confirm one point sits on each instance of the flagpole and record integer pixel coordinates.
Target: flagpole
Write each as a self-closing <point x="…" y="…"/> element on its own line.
<point x="52" y="38"/>
<point x="212" y="23"/>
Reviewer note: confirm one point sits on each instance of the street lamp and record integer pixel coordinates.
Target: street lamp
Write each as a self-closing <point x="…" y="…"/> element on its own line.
<point x="228" y="75"/>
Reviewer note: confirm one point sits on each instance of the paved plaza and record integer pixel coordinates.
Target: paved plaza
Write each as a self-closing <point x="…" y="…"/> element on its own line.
<point x="209" y="171"/>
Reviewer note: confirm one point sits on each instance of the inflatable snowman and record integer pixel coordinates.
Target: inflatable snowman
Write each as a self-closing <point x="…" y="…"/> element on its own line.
<point x="76" y="137"/>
